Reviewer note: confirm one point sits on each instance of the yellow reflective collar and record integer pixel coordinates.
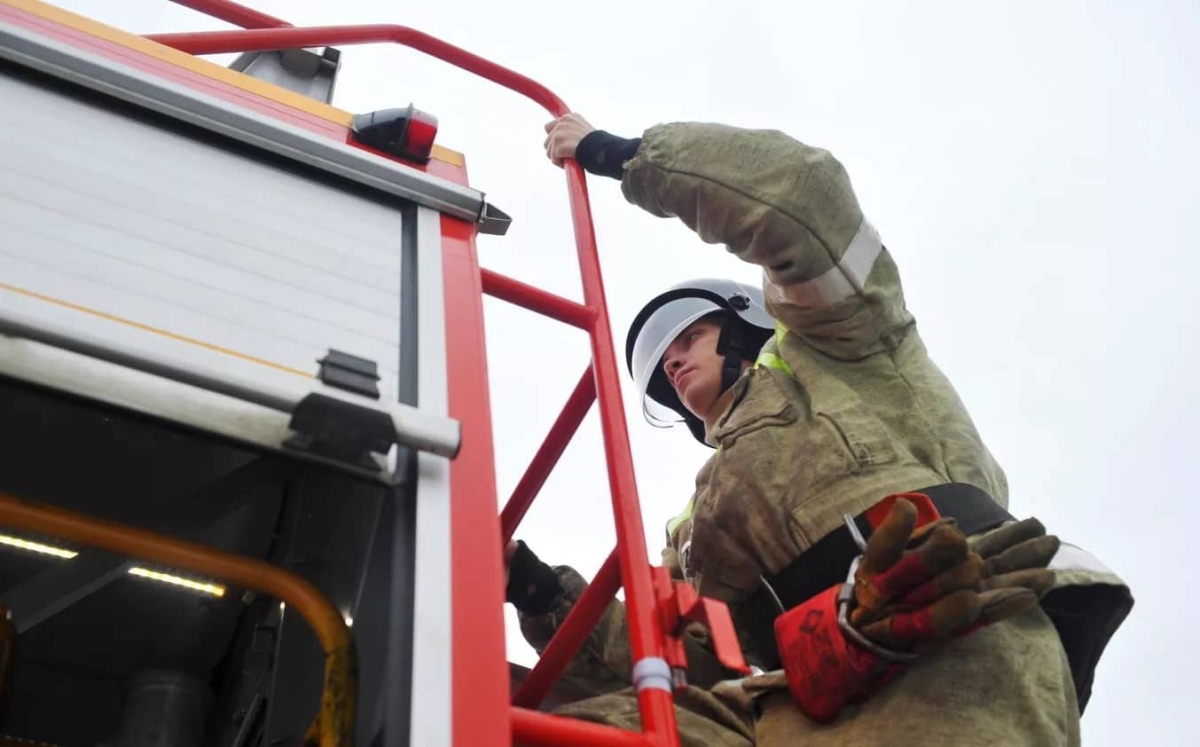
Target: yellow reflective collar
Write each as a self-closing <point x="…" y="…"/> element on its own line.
<point x="773" y="360"/>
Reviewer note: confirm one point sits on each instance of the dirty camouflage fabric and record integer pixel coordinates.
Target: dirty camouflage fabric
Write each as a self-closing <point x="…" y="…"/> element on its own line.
<point x="848" y="408"/>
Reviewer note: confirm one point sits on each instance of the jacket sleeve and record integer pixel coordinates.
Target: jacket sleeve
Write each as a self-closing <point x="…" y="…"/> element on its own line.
<point x="603" y="663"/>
<point x="788" y="207"/>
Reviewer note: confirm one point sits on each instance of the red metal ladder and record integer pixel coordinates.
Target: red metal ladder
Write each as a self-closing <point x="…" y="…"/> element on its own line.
<point x="656" y="607"/>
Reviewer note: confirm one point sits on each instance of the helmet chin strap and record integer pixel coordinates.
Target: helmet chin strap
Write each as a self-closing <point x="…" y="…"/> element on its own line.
<point x="731" y="344"/>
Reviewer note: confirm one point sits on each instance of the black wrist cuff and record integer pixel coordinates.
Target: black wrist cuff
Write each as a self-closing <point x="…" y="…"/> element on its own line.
<point x="532" y="585"/>
<point x="604" y="154"/>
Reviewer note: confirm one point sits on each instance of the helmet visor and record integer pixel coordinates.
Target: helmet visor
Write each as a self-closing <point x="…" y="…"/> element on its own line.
<point x="659" y="331"/>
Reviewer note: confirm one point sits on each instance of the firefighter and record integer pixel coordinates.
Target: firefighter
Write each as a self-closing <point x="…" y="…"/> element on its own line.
<point x="820" y="400"/>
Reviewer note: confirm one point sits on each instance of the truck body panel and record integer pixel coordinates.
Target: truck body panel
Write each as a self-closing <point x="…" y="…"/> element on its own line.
<point x="183" y="245"/>
<point x="235" y="336"/>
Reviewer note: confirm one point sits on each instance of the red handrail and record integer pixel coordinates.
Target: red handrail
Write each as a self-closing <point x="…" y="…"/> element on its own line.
<point x="268" y="39"/>
<point x="645" y="632"/>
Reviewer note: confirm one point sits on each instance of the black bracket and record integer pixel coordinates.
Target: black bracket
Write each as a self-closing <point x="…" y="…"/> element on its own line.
<point x="494" y="221"/>
<point x="349" y="372"/>
<point x="341" y="430"/>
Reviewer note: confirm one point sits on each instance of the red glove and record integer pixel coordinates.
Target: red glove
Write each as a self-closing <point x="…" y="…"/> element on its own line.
<point x="914" y="588"/>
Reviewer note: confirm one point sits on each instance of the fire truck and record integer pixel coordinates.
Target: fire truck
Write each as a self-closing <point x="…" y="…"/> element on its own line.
<point x="247" y="484"/>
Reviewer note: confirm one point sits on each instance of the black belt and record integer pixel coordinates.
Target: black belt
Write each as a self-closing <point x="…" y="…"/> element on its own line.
<point x="828" y="560"/>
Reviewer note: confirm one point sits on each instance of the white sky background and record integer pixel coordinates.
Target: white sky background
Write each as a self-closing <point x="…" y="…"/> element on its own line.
<point x="1028" y="165"/>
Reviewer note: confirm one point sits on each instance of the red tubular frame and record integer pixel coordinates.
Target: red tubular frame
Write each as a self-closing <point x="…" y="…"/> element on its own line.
<point x="534" y="729"/>
<point x="628" y="566"/>
<point x="269" y="39"/>
<point x="560" y="435"/>
<point x="535" y="299"/>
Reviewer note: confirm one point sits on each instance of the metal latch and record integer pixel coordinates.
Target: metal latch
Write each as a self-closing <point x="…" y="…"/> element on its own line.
<point x="679" y="604"/>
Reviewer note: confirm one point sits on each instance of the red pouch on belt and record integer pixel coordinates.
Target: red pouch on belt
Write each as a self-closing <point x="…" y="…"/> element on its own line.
<point x="828" y="663"/>
<point x="824" y="669"/>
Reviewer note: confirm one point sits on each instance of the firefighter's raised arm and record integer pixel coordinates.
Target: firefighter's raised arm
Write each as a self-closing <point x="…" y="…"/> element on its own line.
<point x="773" y="201"/>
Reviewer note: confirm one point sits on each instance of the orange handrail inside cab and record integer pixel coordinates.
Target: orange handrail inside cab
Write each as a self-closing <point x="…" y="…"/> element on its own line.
<point x="334" y="724"/>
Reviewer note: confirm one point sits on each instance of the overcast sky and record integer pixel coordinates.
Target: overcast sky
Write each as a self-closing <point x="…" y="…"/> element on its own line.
<point x="1028" y="165"/>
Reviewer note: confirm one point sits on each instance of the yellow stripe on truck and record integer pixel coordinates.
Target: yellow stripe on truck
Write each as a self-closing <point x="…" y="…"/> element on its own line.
<point x="201" y="66"/>
<point x="153" y="330"/>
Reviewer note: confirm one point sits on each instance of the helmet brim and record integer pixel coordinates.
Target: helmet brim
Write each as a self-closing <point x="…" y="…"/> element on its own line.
<point x="663" y="319"/>
<point x="658" y="331"/>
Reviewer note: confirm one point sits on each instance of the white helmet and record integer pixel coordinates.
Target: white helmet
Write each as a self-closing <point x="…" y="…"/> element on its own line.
<point x="746" y="327"/>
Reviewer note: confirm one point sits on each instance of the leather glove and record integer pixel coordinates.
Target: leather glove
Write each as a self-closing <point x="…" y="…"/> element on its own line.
<point x="917" y="587"/>
<point x="532" y="585"/>
<point x="913" y="589"/>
